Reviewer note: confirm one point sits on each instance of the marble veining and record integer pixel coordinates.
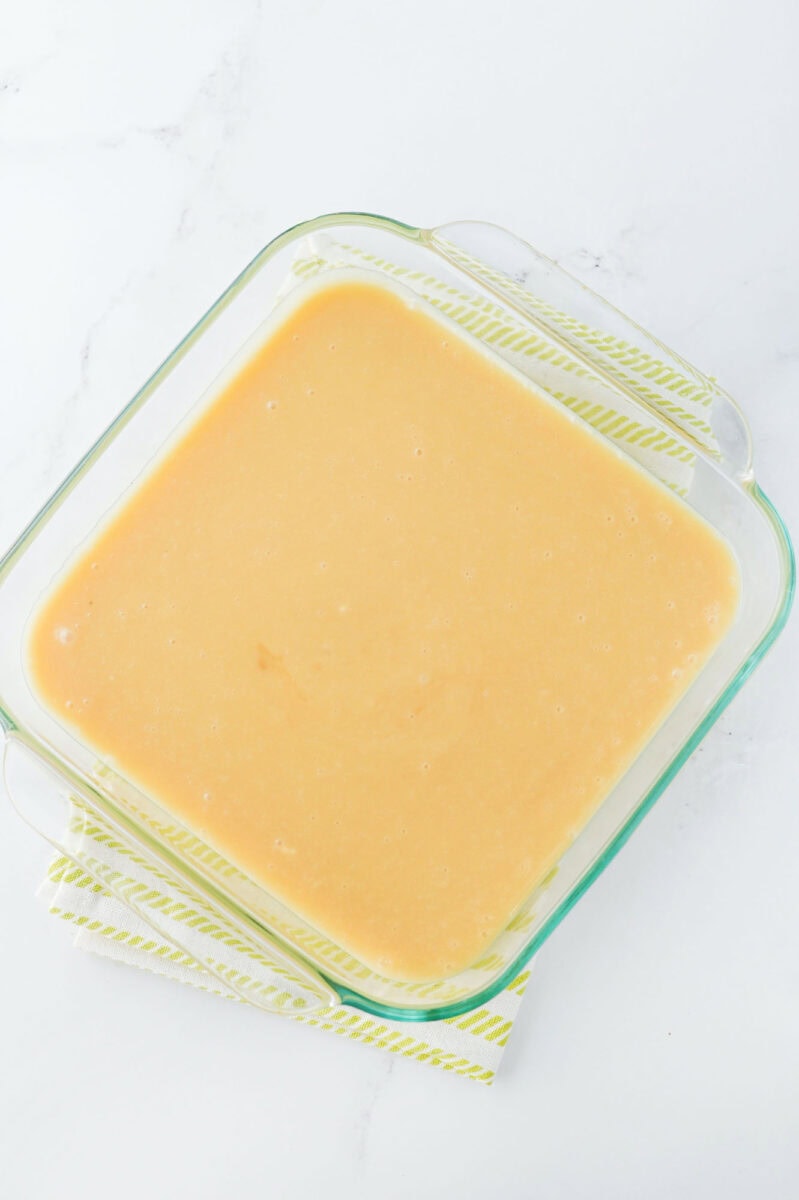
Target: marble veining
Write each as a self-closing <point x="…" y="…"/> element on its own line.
<point x="147" y="152"/>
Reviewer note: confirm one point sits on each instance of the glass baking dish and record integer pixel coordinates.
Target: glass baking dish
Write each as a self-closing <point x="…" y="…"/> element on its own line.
<point x="673" y="421"/>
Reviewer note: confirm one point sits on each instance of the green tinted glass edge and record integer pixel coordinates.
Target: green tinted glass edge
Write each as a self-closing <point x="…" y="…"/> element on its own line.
<point x="355" y="999"/>
<point x="636" y="817"/>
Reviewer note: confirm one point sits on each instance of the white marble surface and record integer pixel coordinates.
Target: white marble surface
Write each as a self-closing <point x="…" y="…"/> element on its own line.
<point x="146" y="152"/>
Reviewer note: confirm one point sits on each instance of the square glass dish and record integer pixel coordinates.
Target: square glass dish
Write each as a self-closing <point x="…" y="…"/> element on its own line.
<point x="672" y="421"/>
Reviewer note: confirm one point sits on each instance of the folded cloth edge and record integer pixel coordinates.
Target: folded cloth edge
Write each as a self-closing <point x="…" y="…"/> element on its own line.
<point x="470" y="1045"/>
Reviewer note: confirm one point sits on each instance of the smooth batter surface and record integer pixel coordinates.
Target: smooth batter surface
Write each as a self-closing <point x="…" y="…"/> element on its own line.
<point x="384" y="627"/>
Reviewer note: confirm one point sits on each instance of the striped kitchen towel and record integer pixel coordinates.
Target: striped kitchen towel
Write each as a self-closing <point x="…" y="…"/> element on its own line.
<point x="470" y="1045"/>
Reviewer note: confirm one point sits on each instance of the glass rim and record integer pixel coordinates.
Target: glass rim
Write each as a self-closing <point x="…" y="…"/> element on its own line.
<point x="12" y="728"/>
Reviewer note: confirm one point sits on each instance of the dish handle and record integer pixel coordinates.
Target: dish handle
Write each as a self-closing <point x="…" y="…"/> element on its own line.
<point x="252" y="967"/>
<point x="602" y="338"/>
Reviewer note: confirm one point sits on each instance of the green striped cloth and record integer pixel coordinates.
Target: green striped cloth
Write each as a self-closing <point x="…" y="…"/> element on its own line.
<point x="470" y="1045"/>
